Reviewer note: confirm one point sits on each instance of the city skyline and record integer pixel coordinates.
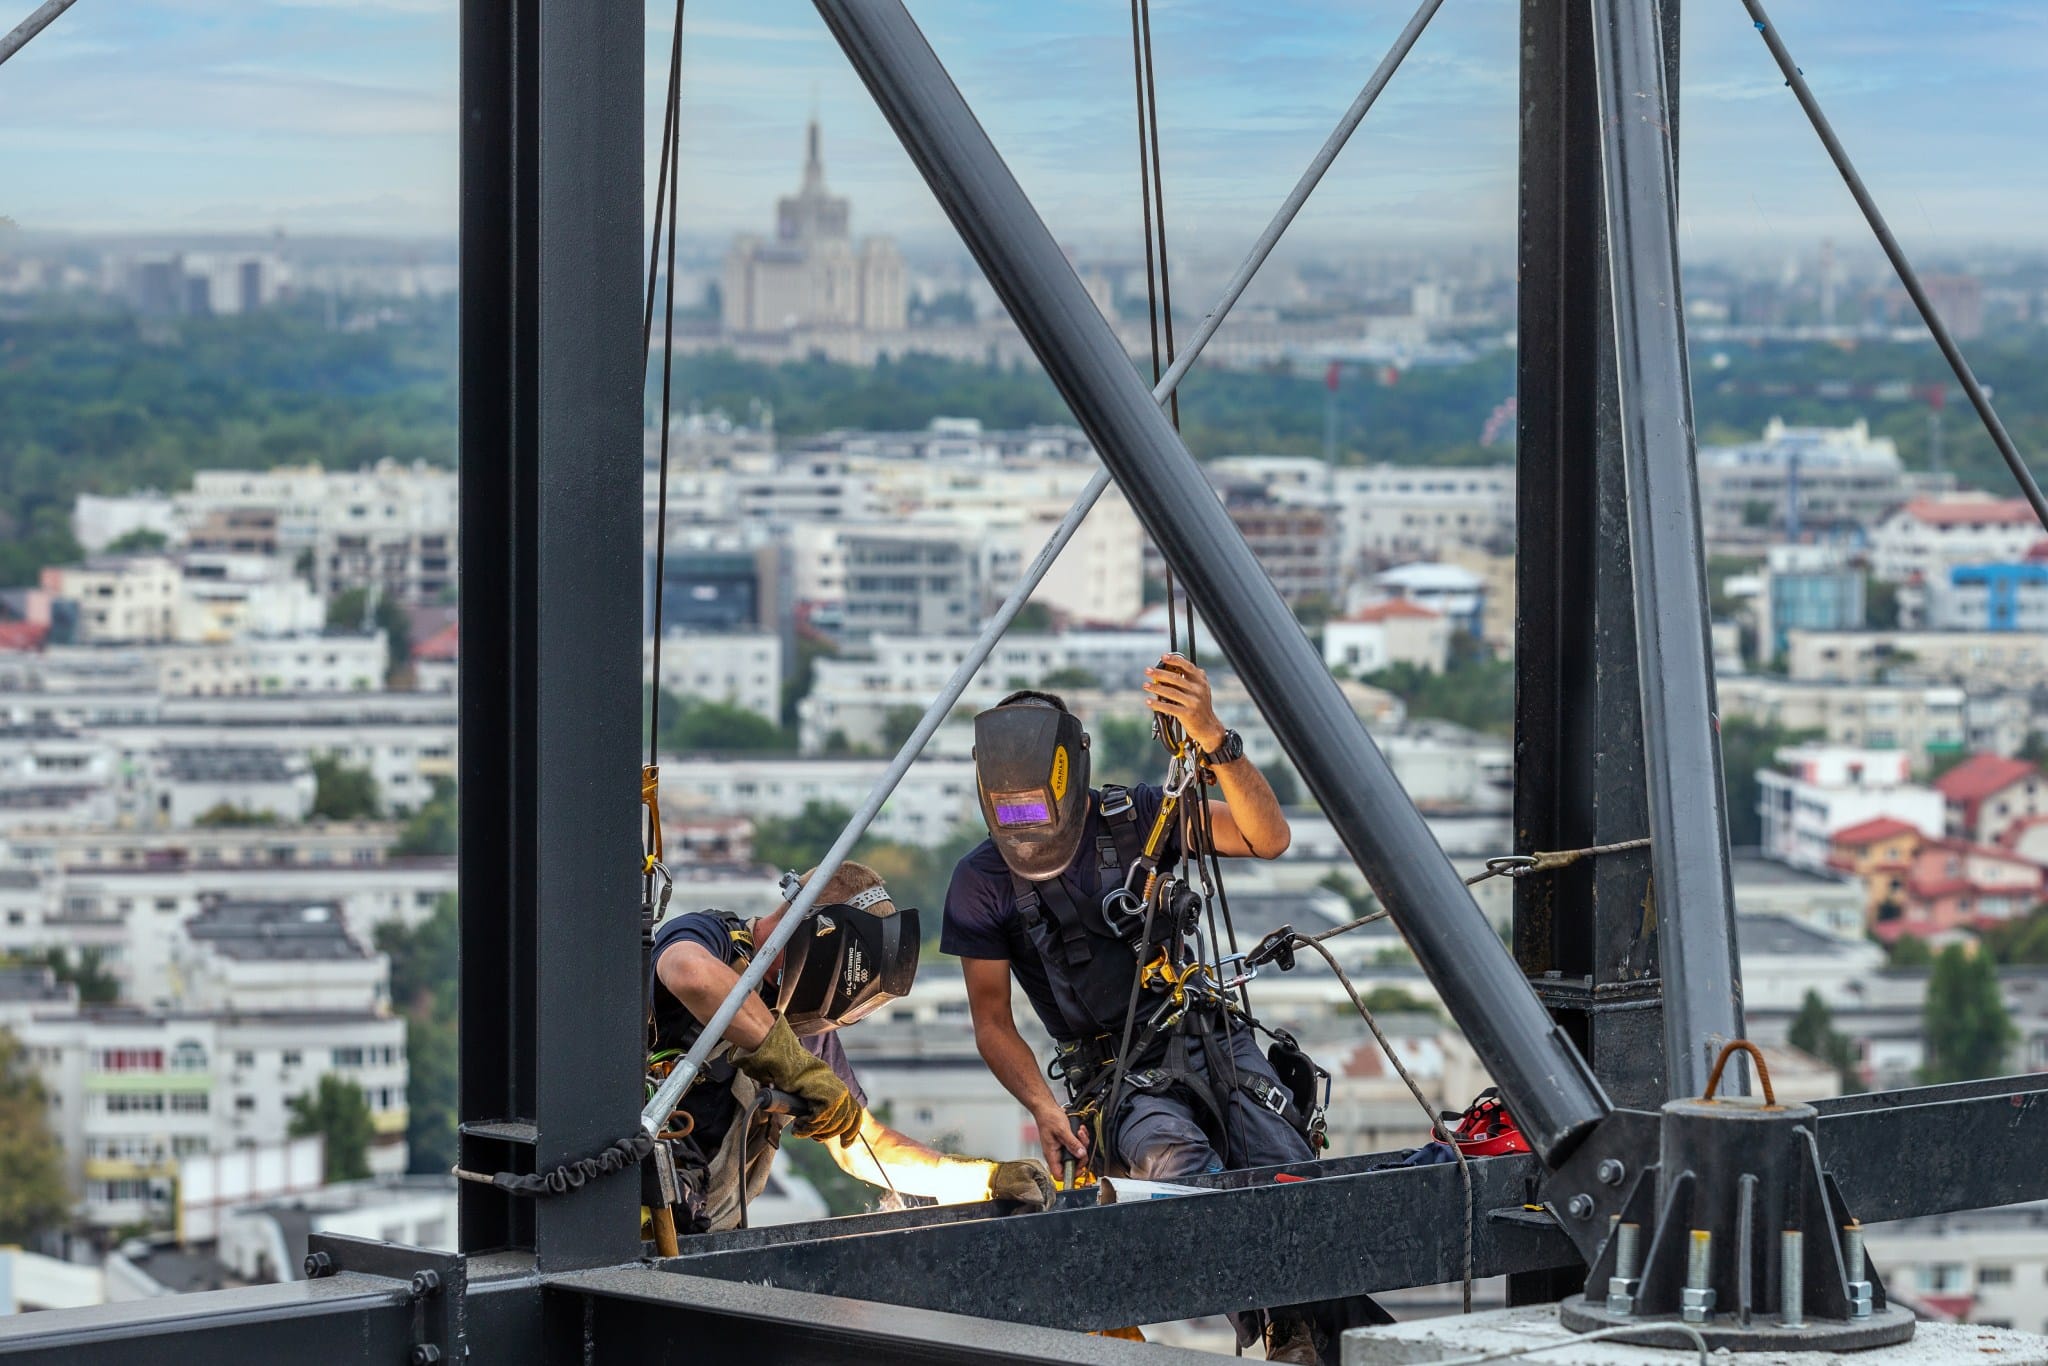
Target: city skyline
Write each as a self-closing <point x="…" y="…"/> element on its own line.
<point x="318" y="117"/>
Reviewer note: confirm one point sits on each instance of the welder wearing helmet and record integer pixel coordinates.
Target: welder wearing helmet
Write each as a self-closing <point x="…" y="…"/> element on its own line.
<point x="855" y="953"/>
<point x="1028" y="902"/>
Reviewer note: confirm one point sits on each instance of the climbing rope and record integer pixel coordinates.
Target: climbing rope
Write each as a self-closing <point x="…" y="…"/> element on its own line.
<point x="666" y="189"/>
<point x="1502" y="865"/>
<point x="1436" y="1125"/>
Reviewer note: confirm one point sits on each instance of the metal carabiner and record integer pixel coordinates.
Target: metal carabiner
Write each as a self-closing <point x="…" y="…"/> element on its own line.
<point x="1510" y="865"/>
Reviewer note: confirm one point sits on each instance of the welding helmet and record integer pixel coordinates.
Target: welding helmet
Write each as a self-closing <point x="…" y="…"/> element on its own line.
<point x="844" y="961"/>
<point x="1031" y="772"/>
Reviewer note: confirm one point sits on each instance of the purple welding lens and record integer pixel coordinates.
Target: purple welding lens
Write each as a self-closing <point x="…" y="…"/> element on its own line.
<point x="1023" y="811"/>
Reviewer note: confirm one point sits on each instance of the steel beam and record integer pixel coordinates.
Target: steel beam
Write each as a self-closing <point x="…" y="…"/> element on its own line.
<point x="1242" y="1248"/>
<point x="1688" y="827"/>
<point x="1938" y="1149"/>
<point x="352" y="1319"/>
<point x="550" y="689"/>
<point x="638" y="1316"/>
<point x="1553" y="1094"/>
<point x="1585" y="932"/>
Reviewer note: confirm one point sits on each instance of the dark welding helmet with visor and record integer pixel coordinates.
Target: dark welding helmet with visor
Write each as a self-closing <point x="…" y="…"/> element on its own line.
<point x="1031" y="770"/>
<point x="844" y="962"/>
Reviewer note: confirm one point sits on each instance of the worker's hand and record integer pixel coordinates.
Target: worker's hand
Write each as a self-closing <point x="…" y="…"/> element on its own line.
<point x="838" y="1118"/>
<point x="1024" y="1181"/>
<point x="785" y="1064"/>
<point x="1180" y="690"/>
<point x="1059" y="1140"/>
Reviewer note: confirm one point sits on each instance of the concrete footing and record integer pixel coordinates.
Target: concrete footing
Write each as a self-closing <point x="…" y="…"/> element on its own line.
<point x="1501" y="1330"/>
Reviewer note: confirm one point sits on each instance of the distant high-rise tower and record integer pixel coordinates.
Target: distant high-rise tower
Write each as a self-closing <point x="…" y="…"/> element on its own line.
<point x="811" y="275"/>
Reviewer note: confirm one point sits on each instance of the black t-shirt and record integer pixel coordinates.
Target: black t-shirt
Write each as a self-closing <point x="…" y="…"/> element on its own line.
<point x="981" y="918"/>
<point x="709" y="1102"/>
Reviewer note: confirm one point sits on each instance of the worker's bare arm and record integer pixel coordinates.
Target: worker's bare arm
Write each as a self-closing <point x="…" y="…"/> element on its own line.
<point x="701" y="981"/>
<point x="1011" y="1059"/>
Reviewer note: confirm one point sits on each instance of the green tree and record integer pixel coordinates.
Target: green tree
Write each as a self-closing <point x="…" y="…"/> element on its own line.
<point x="1967" y="1028"/>
<point x="692" y="725"/>
<point x="140" y="541"/>
<point x="32" y="1194"/>
<point x="341" y="793"/>
<point x="96" y="986"/>
<point x="2022" y="941"/>
<point x="338" y="1111"/>
<point x="226" y="815"/>
<point x="424" y="974"/>
<point x="1813" y="1033"/>
<point x="799" y="841"/>
<point x="809" y="650"/>
<point x="1032" y="617"/>
<point x="431" y="829"/>
<point x="1069" y="679"/>
<point x="1473" y="691"/>
<point x="1880" y="604"/>
<point x="349" y="610"/>
<point x="1390" y="1000"/>
<point x="1908" y="951"/>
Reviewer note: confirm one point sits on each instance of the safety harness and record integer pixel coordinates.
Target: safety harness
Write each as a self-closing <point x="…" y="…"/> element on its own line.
<point x="1100" y="960"/>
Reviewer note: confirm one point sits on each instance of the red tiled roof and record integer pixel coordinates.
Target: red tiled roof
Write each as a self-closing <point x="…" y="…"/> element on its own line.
<point x="1394" y="607"/>
<point x="1871" y="831"/>
<point x="1970" y="511"/>
<point x="22" y="635"/>
<point x="1979" y="776"/>
<point x="438" y="646"/>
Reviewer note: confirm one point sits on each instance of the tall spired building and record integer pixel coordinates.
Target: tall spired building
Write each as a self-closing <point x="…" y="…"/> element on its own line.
<point x="811" y="274"/>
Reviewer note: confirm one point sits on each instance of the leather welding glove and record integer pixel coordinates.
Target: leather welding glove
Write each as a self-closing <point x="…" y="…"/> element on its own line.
<point x="786" y="1065"/>
<point x="1025" y="1181"/>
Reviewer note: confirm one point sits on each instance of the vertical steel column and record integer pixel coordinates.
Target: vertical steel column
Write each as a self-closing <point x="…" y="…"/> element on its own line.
<point x="1689" y="830"/>
<point x="551" y="529"/>
<point x="1545" y="1079"/>
<point x="1584" y="935"/>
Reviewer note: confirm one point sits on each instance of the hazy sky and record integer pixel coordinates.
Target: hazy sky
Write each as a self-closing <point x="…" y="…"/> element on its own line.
<point x="338" y="115"/>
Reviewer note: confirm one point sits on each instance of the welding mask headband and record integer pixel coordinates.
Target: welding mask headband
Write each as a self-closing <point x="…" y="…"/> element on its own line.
<point x="1031" y="774"/>
<point x="845" y="962"/>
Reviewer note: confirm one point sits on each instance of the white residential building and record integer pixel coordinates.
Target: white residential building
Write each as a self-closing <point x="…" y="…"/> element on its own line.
<point x="1387" y="633"/>
<point x="935" y="797"/>
<point x="1929" y="535"/>
<point x="132" y="1091"/>
<point x="1987" y="1267"/>
<point x="111" y="598"/>
<point x="1446" y="589"/>
<point x="391" y="527"/>
<point x="854" y="697"/>
<point x="226" y="596"/>
<point x="1918" y="719"/>
<point x="739" y="668"/>
<point x="1974" y="660"/>
<point x="1408" y="512"/>
<point x="1827" y="788"/>
<point x="1840" y="478"/>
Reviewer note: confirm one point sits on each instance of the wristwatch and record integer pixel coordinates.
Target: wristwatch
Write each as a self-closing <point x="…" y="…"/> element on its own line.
<point x="1228" y="750"/>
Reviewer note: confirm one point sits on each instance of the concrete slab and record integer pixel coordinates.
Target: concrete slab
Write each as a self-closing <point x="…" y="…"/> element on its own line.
<point x="1509" y="1330"/>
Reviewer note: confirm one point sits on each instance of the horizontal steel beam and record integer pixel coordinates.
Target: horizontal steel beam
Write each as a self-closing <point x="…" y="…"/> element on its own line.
<point x="348" y="1319"/>
<point x="1938" y="1149"/>
<point x="1233" y="1249"/>
<point x="638" y="1316"/>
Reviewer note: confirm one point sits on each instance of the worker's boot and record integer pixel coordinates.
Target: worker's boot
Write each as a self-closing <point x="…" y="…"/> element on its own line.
<point x="1291" y="1336"/>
